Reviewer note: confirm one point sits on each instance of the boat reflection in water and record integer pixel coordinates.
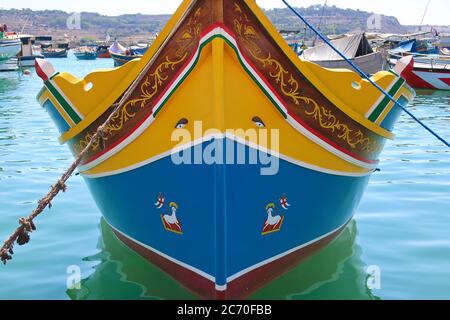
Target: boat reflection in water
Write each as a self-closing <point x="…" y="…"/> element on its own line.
<point x="336" y="272"/>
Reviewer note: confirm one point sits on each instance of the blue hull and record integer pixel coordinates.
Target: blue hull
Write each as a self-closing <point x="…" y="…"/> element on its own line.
<point x="222" y="211"/>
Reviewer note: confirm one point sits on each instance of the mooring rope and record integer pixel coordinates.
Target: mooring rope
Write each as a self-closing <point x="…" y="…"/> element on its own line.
<point x="21" y="235"/>
<point x="398" y="104"/>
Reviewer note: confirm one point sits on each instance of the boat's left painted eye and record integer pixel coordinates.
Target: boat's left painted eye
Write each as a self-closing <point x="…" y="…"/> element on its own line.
<point x="258" y="122"/>
<point x="181" y="124"/>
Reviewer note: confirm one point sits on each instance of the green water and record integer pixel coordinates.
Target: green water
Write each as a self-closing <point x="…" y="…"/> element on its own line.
<point x="402" y="225"/>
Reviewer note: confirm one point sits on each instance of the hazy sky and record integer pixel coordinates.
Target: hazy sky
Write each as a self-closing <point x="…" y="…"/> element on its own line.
<point x="407" y="11"/>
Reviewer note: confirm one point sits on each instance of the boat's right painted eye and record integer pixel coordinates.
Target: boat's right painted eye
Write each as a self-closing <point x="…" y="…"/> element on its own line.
<point x="258" y="122"/>
<point x="181" y="124"/>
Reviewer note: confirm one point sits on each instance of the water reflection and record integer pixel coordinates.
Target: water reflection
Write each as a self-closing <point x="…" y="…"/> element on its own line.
<point x="8" y="82"/>
<point x="336" y="272"/>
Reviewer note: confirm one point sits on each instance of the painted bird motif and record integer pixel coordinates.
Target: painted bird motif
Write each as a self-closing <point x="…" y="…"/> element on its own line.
<point x="271" y="219"/>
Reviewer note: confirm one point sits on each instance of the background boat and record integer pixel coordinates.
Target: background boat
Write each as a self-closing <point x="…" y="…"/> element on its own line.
<point x="52" y="49"/>
<point x="415" y="47"/>
<point x="85" y="53"/>
<point x="54" y="53"/>
<point x="103" y="52"/>
<point x="121" y="59"/>
<point x="122" y="55"/>
<point x="28" y="55"/>
<point x="139" y="49"/>
<point x="9" y="48"/>
<point x="356" y="47"/>
<point x="424" y="75"/>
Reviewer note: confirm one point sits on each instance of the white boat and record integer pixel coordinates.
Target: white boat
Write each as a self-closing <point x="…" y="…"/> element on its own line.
<point x="9" y="47"/>
<point x="356" y="47"/>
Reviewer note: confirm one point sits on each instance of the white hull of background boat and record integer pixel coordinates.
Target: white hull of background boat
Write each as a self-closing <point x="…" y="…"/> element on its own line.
<point x="370" y="64"/>
<point x="9" y="49"/>
<point x="424" y="75"/>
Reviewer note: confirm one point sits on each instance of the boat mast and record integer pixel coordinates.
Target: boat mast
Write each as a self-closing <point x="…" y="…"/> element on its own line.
<point x="424" y="14"/>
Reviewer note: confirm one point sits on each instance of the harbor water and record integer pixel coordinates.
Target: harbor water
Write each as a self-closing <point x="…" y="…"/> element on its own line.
<point x="397" y="246"/>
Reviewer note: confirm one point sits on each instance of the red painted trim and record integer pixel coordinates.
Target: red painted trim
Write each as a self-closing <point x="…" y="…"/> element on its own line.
<point x="195" y="282"/>
<point x="206" y="31"/>
<point x="413" y="79"/>
<point x="39" y="71"/>
<point x="446" y="81"/>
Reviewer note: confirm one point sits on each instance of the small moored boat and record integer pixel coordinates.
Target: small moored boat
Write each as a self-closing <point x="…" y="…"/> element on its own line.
<point x="356" y="47"/>
<point x="229" y="160"/>
<point x="85" y="53"/>
<point x="54" y="53"/>
<point x="425" y="74"/>
<point x="103" y="52"/>
<point x="122" y="55"/>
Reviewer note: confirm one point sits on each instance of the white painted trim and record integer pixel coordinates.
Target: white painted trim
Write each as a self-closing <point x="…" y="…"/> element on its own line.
<point x="165" y="256"/>
<point x="231" y="137"/>
<point x="381" y="98"/>
<point x="328" y="147"/>
<point x="65" y="98"/>
<point x="433" y="78"/>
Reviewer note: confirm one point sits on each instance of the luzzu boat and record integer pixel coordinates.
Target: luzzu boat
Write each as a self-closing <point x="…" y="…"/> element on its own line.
<point x="218" y="222"/>
<point x="122" y="55"/>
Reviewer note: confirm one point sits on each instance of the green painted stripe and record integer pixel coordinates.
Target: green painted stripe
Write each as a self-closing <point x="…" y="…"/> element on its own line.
<point x="380" y="108"/>
<point x="53" y="76"/>
<point x="65" y="105"/>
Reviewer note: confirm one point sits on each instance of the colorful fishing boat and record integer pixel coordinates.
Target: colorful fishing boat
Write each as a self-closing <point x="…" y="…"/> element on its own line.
<point x="103" y="52"/>
<point x="122" y="55"/>
<point x="228" y="160"/>
<point x="425" y="75"/>
<point x="121" y="59"/>
<point x="85" y="53"/>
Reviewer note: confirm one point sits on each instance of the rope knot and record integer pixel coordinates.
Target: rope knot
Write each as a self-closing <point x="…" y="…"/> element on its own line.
<point x="61" y="186"/>
<point x="27" y="224"/>
<point x="5" y="256"/>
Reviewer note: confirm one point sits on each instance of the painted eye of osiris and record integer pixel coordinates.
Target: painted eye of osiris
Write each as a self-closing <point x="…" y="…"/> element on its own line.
<point x="181" y="124"/>
<point x="258" y="122"/>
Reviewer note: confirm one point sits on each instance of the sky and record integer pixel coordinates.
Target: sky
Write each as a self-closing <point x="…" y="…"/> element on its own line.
<point x="407" y="11"/>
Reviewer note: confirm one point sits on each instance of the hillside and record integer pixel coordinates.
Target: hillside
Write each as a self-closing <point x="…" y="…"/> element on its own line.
<point x="93" y="25"/>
